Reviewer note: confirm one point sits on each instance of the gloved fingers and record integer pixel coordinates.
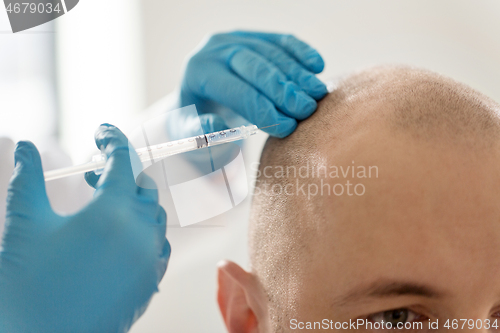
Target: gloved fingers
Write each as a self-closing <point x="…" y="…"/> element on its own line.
<point x="26" y="192"/>
<point x="296" y="59"/>
<point x="118" y="175"/>
<point x="304" y="53"/>
<point x="181" y="126"/>
<point x="269" y="79"/>
<point x="161" y="219"/>
<point x="211" y="122"/>
<point x="236" y="94"/>
<point x="147" y="188"/>
<point x="164" y="259"/>
<point x="91" y="178"/>
<point x="293" y="69"/>
<point x="165" y="248"/>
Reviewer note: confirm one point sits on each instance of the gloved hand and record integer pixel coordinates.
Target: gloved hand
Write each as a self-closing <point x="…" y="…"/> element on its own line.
<point x="94" y="271"/>
<point x="266" y="78"/>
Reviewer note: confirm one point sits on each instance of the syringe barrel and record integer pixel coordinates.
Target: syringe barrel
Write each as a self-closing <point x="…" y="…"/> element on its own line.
<point x="157" y="152"/>
<point x="163" y="150"/>
<point x="229" y="135"/>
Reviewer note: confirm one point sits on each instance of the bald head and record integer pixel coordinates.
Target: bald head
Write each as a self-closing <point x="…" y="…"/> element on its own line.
<point x="390" y="182"/>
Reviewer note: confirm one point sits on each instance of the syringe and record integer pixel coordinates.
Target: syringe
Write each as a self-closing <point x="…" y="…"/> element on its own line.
<point x="157" y="152"/>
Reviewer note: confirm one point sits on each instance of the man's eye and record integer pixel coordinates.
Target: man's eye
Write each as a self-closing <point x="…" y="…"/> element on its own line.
<point x="396" y="316"/>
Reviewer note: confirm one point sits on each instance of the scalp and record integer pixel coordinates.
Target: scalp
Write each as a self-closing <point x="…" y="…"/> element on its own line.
<point x="418" y="105"/>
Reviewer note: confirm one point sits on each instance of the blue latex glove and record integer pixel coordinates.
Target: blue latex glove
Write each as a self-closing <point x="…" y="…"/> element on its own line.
<point x="94" y="271"/>
<point x="266" y="78"/>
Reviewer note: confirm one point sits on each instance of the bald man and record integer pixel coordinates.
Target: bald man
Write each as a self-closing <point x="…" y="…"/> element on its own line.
<point x="418" y="248"/>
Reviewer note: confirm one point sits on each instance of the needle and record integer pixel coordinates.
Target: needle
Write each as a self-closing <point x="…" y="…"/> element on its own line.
<point x="268" y="126"/>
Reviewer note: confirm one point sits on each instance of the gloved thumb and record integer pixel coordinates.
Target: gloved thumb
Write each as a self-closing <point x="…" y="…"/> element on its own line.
<point x="26" y="195"/>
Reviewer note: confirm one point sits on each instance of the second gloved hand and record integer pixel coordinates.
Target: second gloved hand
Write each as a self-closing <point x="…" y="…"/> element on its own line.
<point x="93" y="271"/>
<point x="266" y="78"/>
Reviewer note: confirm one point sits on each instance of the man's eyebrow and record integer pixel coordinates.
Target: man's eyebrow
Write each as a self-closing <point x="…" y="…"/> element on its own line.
<point x="388" y="288"/>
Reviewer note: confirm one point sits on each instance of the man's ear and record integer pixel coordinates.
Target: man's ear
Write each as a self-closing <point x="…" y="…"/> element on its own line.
<point x="241" y="299"/>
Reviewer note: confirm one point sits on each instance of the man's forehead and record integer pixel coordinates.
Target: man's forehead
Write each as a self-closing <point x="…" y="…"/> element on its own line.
<point x="398" y="175"/>
<point x="405" y="241"/>
<point x="426" y="205"/>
